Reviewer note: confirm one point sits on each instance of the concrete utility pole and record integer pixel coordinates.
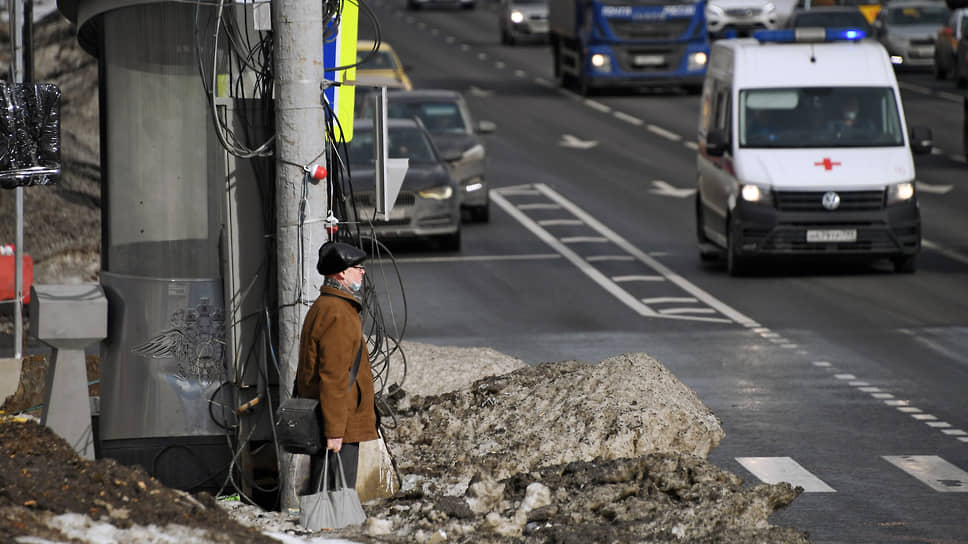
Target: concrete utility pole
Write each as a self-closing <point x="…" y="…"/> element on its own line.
<point x="297" y="27"/>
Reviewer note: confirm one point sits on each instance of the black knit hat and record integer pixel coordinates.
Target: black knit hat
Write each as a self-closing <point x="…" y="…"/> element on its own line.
<point x="336" y="257"/>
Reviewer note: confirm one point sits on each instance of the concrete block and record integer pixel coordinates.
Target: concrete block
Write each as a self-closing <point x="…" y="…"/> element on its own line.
<point x="68" y="316"/>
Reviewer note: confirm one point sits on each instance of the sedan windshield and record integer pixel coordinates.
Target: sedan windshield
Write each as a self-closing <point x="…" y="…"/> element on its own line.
<point x="918" y="15"/>
<point x="381" y="60"/>
<point x="404" y="143"/>
<point x="819" y="117"/>
<point x="436" y="116"/>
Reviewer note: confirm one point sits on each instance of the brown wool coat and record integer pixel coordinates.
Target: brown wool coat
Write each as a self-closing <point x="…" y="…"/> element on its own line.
<point x="330" y="337"/>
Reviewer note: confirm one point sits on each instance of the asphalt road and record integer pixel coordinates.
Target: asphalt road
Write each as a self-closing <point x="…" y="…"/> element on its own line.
<point x="847" y="379"/>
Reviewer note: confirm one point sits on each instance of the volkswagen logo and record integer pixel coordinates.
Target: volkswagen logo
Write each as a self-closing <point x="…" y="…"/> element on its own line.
<point x="830" y="200"/>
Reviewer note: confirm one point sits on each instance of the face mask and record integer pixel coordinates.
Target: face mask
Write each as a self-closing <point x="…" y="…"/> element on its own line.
<point x="850" y="115"/>
<point x="355" y="286"/>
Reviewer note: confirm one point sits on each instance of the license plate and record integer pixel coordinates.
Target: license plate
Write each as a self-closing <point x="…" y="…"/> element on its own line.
<point x="398" y="212"/>
<point x="648" y="60"/>
<point x="844" y="235"/>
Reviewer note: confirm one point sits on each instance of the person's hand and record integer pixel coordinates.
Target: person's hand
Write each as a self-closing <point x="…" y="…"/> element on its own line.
<point x="334" y="444"/>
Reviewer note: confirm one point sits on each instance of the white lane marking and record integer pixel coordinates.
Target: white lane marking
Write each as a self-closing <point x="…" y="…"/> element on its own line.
<point x="954" y="432"/>
<point x="933" y="471"/>
<point x="909" y="409"/>
<point x="667" y="134"/>
<point x="950" y="96"/>
<point x="898" y="403"/>
<point x="957" y="158"/>
<point x="882" y="396"/>
<point x="663" y="188"/>
<point x="575" y="259"/>
<point x="845" y="376"/>
<point x="684" y="284"/>
<point x="623" y="279"/>
<point x="520" y="73"/>
<point x="923" y="417"/>
<point x="450" y="39"/>
<point x="939" y="424"/>
<point x="963" y="438"/>
<point x="482" y="56"/>
<point x="538" y="206"/>
<point x="668" y="300"/>
<point x="936" y="346"/>
<point x="773" y="470"/>
<point x="499" y="65"/>
<point x="680" y="311"/>
<point x="555" y="222"/>
<point x="691" y="145"/>
<point x="595" y="105"/>
<point x="464" y="47"/>
<point x="584" y="240"/>
<point x="870" y="389"/>
<point x="859" y="384"/>
<point x="822" y="364"/>
<point x="933" y="189"/>
<point x="790" y="346"/>
<point x="434" y="31"/>
<point x="515" y="190"/>
<point x="597" y="258"/>
<point x="950" y="253"/>
<point x="574" y="142"/>
<point x="913" y="88"/>
<point x="471" y="258"/>
<point x="543" y="82"/>
<point x="770" y="334"/>
<point x="630" y="119"/>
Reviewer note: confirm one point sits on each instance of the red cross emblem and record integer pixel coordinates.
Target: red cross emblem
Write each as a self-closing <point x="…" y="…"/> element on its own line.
<point x="827" y="163"/>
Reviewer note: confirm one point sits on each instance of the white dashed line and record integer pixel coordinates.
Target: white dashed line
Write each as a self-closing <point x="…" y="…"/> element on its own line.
<point x="870" y="389"/>
<point x="595" y="105"/>
<point x="682" y="311"/>
<point x="954" y="432"/>
<point x="882" y="396"/>
<point x="559" y="222"/>
<point x="845" y="376"/>
<point x="584" y="239"/>
<point x="691" y="145"/>
<point x="957" y="158"/>
<point x="821" y="364"/>
<point x="499" y="65"/>
<point x="538" y="206"/>
<point x="898" y="403"/>
<point x="631" y="119"/>
<point x="950" y="96"/>
<point x="914" y="88"/>
<point x="597" y="258"/>
<point x="464" y="47"/>
<point x="923" y="417"/>
<point x="450" y="39"/>
<point x="637" y="277"/>
<point x="520" y="73"/>
<point x="669" y="300"/>
<point x="482" y="56"/>
<point x="543" y="82"/>
<point x="667" y="134"/>
<point x="909" y="409"/>
<point x="939" y="424"/>
<point x="951" y="254"/>
<point x="859" y="384"/>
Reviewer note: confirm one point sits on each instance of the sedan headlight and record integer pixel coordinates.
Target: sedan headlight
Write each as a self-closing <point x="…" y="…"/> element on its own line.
<point x="517" y="17"/>
<point x="437" y="193"/>
<point x="899" y="192"/>
<point x="756" y="194"/>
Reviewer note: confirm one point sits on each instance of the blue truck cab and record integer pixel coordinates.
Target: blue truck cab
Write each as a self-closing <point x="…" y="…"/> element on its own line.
<point x="628" y="43"/>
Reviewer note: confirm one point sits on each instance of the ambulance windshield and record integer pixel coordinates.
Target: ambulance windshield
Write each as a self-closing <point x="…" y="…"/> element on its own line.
<point x="819" y="117"/>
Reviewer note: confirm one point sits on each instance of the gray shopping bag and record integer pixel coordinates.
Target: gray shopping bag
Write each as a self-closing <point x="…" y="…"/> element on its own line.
<point x="330" y="509"/>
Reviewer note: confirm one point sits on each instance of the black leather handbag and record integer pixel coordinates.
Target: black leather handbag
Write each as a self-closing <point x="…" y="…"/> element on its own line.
<point x="299" y="421"/>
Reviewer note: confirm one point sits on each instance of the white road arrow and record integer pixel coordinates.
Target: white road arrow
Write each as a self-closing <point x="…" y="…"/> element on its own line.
<point x="933" y="189"/>
<point x="567" y="140"/>
<point x="664" y="189"/>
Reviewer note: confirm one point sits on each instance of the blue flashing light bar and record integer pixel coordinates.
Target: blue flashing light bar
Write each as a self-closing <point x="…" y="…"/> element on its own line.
<point x="809" y="35"/>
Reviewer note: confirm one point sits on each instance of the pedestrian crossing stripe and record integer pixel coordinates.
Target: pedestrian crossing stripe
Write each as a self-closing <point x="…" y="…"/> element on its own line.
<point x="773" y="470"/>
<point x="932" y="470"/>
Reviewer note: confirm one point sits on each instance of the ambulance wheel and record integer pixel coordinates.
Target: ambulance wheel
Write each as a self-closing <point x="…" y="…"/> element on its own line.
<point x="735" y="264"/>
<point x="906" y="264"/>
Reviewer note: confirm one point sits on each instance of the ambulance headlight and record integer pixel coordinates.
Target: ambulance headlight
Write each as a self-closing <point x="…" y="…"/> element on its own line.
<point x="601" y="62"/>
<point x="756" y="194"/>
<point x="712" y="10"/>
<point x="517" y="17"/>
<point x="696" y="61"/>
<point x="900" y="192"/>
<point x="770" y="7"/>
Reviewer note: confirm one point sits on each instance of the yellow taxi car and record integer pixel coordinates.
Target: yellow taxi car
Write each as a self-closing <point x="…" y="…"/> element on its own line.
<point x="380" y="66"/>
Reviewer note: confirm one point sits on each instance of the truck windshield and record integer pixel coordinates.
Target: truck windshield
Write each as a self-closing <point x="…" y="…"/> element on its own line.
<point x="819" y="117"/>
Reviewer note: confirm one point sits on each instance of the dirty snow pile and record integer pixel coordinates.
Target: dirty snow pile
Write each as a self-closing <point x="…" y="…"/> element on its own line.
<point x="564" y="452"/>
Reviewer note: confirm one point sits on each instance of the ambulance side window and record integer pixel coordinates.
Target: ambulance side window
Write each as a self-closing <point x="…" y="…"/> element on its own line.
<point x="723" y="112"/>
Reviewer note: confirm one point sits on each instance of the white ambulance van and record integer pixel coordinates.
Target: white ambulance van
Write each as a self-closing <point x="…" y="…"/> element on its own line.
<point x="804" y="151"/>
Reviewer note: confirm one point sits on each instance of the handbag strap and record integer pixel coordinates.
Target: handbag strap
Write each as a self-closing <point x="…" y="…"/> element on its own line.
<point x="324" y="475"/>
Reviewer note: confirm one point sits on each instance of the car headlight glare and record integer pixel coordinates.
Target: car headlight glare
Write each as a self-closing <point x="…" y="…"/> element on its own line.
<point x="517" y="17"/>
<point x="755" y="193"/>
<point x="899" y="192"/>
<point x="601" y="62"/>
<point x="437" y="193"/>
<point x="697" y="61"/>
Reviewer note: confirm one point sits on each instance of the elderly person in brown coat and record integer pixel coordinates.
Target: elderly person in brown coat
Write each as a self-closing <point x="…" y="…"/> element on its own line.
<point x="334" y="363"/>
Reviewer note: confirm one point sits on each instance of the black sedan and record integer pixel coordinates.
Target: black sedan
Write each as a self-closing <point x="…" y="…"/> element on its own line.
<point x="428" y="205"/>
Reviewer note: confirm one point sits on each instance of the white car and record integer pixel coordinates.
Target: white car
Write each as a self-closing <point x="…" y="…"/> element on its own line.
<point x="741" y="16"/>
